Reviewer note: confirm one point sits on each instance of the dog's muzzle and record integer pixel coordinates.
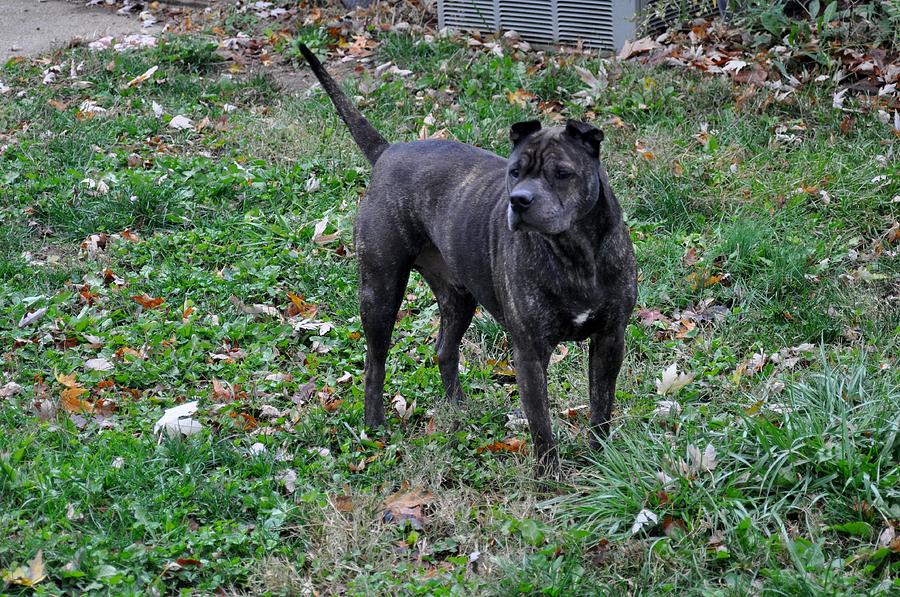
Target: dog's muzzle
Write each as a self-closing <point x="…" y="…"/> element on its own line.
<point x="519" y="202"/>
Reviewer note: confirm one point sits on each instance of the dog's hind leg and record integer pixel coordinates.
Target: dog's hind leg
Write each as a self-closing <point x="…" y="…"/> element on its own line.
<point x="380" y="294"/>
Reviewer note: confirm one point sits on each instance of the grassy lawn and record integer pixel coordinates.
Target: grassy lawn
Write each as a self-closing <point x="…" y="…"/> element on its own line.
<point x="768" y="276"/>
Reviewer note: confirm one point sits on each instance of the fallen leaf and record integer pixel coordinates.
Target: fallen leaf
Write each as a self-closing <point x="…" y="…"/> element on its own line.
<point x="519" y="97"/>
<point x="319" y="236"/>
<point x="177" y="420"/>
<point x="561" y="352"/>
<point x="667" y="408"/>
<point x="645" y="518"/>
<point x="32" y="317"/>
<point x="343" y="503"/>
<point x="146" y="301"/>
<point x="141" y="78"/>
<point x="181" y="122"/>
<point x="704" y="462"/>
<point x="632" y="48"/>
<point x="299" y="306"/>
<point x="10" y="389"/>
<point x="68" y="381"/>
<point x="510" y="444"/>
<point x="289" y="478"/>
<point x="99" y="364"/>
<point x="70" y="401"/>
<point x="672" y="381"/>
<point x="407" y="505"/>
<point x="575" y="411"/>
<point x="28" y="576"/>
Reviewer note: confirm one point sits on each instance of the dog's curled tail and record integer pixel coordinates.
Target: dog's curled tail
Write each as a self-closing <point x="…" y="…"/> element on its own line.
<point x="366" y="136"/>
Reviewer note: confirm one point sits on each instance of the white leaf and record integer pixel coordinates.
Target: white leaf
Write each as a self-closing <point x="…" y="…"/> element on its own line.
<point x="32" y="317"/>
<point x="886" y="536"/>
<point x="837" y="102"/>
<point x="257" y="449"/>
<point x="91" y="107"/>
<point x="734" y="65"/>
<point x="644" y="518"/>
<point x="176" y="420"/>
<point x="399" y="404"/>
<point x="118" y="462"/>
<point x="98" y="364"/>
<point x="157" y="109"/>
<point x="666" y="408"/>
<point x="181" y="122"/>
<point x="10" y="389"/>
<point x="694" y="458"/>
<point x="267" y="411"/>
<point x="141" y="78"/>
<point x="665" y="479"/>
<point x="318" y="233"/>
<point x="312" y="185"/>
<point x="290" y="480"/>
<point x="708" y="461"/>
<point x="672" y="381"/>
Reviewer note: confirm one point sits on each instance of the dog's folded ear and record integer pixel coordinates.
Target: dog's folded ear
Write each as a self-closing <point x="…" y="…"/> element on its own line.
<point x="587" y="133"/>
<point x="520" y="130"/>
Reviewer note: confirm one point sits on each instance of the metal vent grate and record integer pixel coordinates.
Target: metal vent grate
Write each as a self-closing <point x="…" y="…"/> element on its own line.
<point x="469" y="14"/>
<point x="603" y="24"/>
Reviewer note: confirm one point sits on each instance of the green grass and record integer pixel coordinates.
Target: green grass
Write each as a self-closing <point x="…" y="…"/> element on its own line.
<point x="807" y="452"/>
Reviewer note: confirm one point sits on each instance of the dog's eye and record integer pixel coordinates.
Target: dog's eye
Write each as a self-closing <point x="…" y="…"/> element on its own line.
<point x="563" y="174"/>
<point x="514" y="173"/>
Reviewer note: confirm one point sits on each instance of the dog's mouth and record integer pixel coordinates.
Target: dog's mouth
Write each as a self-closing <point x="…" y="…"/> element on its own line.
<point x="516" y="222"/>
<point x="513" y="218"/>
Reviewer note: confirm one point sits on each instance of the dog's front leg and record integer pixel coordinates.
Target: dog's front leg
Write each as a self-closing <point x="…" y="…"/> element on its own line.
<point x="606" y="353"/>
<point x="531" y="376"/>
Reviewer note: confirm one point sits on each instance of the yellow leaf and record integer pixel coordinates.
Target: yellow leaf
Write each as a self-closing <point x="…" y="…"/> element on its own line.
<point x="72" y="403"/>
<point x="28" y="577"/>
<point x="68" y="380"/>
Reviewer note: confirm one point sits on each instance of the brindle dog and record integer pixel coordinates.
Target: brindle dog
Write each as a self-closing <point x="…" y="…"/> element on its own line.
<point x="537" y="239"/>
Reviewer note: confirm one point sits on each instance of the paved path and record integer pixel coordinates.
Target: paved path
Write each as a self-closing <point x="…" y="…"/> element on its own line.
<point x="29" y="27"/>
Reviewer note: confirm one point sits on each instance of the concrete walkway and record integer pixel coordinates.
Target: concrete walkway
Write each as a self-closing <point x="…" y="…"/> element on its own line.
<point x="29" y="27"/>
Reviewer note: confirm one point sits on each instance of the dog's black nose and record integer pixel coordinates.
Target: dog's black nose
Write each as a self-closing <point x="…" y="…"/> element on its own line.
<point x="520" y="199"/>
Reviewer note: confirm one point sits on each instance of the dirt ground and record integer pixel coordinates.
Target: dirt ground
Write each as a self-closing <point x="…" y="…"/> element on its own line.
<point x="29" y="27"/>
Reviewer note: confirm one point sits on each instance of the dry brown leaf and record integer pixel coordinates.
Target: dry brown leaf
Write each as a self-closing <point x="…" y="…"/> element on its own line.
<point x="510" y="444"/>
<point x="68" y="380"/>
<point x="407" y="505"/>
<point x="343" y="503"/>
<point x="299" y="306"/>
<point x="520" y="97"/>
<point x="70" y="401"/>
<point x="146" y="301"/>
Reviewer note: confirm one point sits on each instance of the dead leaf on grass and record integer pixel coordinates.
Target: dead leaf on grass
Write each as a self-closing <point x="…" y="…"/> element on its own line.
<point x="146" y="301"/>
<point x="32" y="317"/>
<point x="30" y="575"/>
<point x="513" y="445"/>
<point x="319" y="237"/>
<point x="672" y="381"/>
<point x="407" y="505"/>
<point x="141" y="78"/>
<point x="98" y="364"/>
<point x="633" y="48"/>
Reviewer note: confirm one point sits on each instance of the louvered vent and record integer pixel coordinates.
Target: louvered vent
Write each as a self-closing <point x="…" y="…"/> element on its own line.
<point x="469" y="14"/>
<point x="603" y="24"/>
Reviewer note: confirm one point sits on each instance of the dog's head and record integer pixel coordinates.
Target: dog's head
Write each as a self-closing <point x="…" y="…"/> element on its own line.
<point x="553" y="176"/>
